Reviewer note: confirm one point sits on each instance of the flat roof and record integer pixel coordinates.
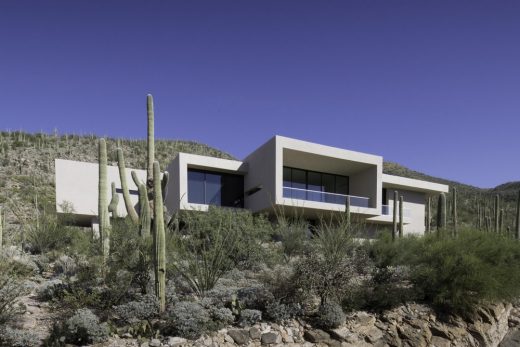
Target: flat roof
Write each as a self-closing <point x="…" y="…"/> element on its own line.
<point x="392" y="181"/>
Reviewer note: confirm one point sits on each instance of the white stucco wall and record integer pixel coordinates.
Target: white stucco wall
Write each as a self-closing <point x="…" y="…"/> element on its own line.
<point x="77" y="186"/>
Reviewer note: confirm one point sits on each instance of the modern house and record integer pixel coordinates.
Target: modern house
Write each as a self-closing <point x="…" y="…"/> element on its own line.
<point x="295" y="176"/>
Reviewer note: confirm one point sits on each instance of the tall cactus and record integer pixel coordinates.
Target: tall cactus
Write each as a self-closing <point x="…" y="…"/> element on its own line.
<point x="401" y="217"/>
<point x="501" y="221"/>
<point x="347" y="212"/>
<point x="441" y="212"/>
<point x="145" y="219"/>
<point x="1" y="228"/>
<point x="104" y="222"/>
<point x="497" y="212"/>
<point x="124" y="186"/>
<point x="517" y="226"/>
<point x="112" y="207"/>
<point x="428" y="214"/>
<point x="159" y="239"/>
<point x="454" y="206"/>
<point x="394" y="220"/>
<point x="150" y="143"/>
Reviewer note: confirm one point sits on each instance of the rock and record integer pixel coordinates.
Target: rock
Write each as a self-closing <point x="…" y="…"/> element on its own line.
<point x="414" y="336"/>
<point x="316" y="335"/>
<point x="364" y="319"/>
<point x="145" y="344"/>
<point x="255" y="333"/>
<point x="239" y="336"/>
<point x="512" y="339"/>
<point x="176" y="341"/>
<point x="270" y="338"/>
<point x="440" y="342"/>
<point x="374" y="334"/>
<point x="155" y="343"/>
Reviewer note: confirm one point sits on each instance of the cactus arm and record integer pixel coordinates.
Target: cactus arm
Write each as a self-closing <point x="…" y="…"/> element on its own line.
<point x="144" y="211"/>
<point x="112" y="207"/>
<point x="150" y="141"/>
<point x="124" y="186"/>
<point x="455" y="219"/>
<point x="497" y="212"/>
<point x="104" y="222"/>
<point x="136" y="179"/>
<point x="441" y="212"/>
<point x="159" y="238"/>
<point x="401" y="216"/>
<point x="517" y="226"/>
<point x="394" y="218"/>
<point x="164" y="184"/>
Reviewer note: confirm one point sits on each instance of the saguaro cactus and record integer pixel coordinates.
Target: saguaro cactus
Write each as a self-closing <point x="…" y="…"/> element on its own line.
<point x="401" y="217"/>
<point x="1" y="227"/>
<point x="394" y="229"/>
<point x="428" y="214"/>
<point x="441" y="212"/>
<point x="124" y="186"/>
<point x="454" y="206"/>
<point x="517" y="226"/>
<point x="150" y="143"/>
<point x="501" y="221"/>
<point x="104" y="222"/>
<point x="112" y="207"/>
<point x="497" y="212"/>
<point x="145" y="219"/>
<point x="347" y="211"/>
<point x="159" y="239"/>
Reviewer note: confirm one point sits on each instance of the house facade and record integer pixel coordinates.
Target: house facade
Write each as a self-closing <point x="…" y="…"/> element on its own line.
<point x="284" y="174"/>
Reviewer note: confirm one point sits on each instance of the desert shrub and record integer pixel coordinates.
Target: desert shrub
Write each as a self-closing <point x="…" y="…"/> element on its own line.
<point x="455" y="274"/>
<point x="18" y="338"/>
<point x="16" y="263"/>
<point x="293" y="236"/>
<point x="52" y="289"/>
<point x="130" y="253"/>
<point x="144" y="309"/>
<point x="210" y="244"/>
<point x="84" y="328"/>
<point x="330" y="315"/>
<point x="220" y="317"/>
<point x="65" y="265"/>
<point x="48" y="233"/>
<point x="10" y="290"/>
<point x="277" y="312"/>
<point x="254" y="298"/>
<point x="249" y="317"/>
<point x="187" y="319"/>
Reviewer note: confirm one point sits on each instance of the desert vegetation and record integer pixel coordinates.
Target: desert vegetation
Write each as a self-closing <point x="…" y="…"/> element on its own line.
<point x="154" y="274"/>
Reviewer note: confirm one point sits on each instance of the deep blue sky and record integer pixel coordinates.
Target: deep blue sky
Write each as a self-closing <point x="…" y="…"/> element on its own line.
<point x="433" y="85"/>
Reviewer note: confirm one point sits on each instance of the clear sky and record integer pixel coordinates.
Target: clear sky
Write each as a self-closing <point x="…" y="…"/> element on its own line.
<point x="432" y="85"/>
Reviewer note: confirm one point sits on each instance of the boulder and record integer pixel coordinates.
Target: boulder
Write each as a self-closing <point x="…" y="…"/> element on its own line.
<point x="239" y="336"/>
<point x="270" y="338"/>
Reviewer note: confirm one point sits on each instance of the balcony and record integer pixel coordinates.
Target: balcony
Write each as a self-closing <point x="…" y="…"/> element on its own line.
<point x="331" y="198"/>
<point x="387" y="210"/>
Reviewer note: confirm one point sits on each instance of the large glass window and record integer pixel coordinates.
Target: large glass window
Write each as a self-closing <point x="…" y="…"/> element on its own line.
<point x="314" y="186"/>
<point x="215" y="188"/>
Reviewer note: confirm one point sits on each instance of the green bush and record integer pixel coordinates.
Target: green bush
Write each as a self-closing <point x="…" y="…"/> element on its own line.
<point x="330" y="315"/>
<point x="187" y="319"/>
<point x="18" y="338"/>
<point x="210" y="244"/>
<point x="144" y="309"/>
<point x="455" y="274"/>
<point x="84" y="328"/>
<point x="10" y="290"/>
<point x="249" y="317"/>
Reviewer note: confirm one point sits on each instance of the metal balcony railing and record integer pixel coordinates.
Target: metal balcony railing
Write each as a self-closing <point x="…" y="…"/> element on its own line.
<point x="332" y="198"/>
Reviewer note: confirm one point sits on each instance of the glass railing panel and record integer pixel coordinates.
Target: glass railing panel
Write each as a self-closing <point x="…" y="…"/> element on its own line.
<point x="332" y="198"/>
<point x="389" y="210"/>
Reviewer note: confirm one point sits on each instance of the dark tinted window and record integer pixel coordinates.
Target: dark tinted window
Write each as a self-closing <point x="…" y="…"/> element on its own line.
<point x="215" y="188"/>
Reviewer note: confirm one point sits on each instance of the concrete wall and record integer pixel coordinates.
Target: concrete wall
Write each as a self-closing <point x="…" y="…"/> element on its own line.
<point x="262" y="171"/>
<point x="367" y="183"/>
<point x="415" y="203"/>
<point x="77" y="187"/>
